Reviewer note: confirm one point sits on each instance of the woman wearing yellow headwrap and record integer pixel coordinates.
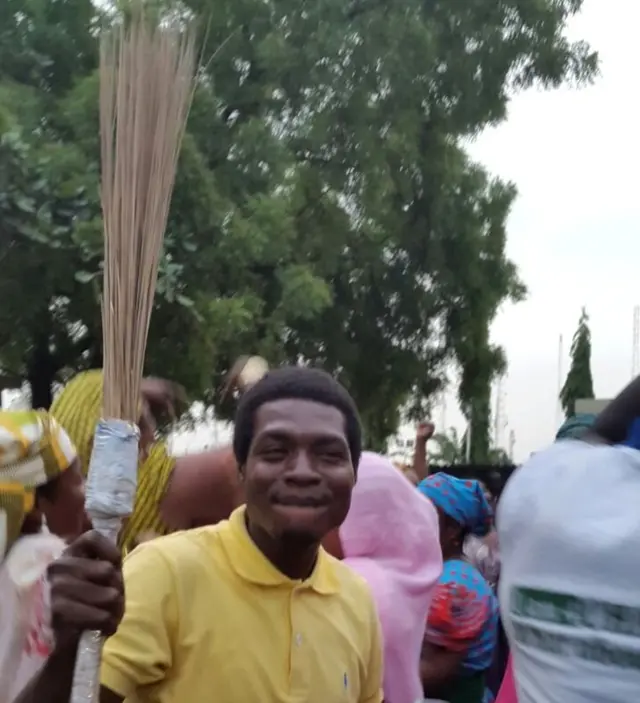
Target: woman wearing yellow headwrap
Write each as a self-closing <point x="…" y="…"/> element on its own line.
<point x="45" y="571"/>
<point x="39" y="475"/>
<point x="172" y="493"/>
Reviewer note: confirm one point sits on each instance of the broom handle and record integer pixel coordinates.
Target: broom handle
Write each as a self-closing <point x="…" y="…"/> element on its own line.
<point x="111" y="489"/>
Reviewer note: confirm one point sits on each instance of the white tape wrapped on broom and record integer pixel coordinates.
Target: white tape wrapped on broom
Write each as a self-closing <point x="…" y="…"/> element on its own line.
<point x="111" y="490"/>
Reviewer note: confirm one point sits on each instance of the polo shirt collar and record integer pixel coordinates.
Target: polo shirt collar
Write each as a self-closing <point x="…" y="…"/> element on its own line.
<point x="250" y="563"/>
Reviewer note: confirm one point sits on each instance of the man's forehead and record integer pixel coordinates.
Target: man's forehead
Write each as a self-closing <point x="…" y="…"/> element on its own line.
<point x="296" y="415"/>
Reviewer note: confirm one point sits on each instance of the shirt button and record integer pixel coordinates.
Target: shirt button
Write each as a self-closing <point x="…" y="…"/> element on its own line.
<point x="298" y="639"/>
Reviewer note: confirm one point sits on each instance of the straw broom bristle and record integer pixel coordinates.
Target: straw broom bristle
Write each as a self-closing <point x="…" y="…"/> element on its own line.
<point x="147" y="75"/>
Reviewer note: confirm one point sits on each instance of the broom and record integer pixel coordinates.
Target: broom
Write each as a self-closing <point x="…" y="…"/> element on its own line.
<point x="147" y="78"/>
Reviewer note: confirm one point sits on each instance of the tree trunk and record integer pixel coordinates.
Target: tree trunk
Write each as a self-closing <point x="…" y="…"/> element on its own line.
<point x="41" y="394"/>
<point x="41" y="371"/>
<point x="480" y="427"/>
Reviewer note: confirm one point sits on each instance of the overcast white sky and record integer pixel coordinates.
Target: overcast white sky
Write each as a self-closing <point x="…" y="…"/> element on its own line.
<point x="574" y="231"/>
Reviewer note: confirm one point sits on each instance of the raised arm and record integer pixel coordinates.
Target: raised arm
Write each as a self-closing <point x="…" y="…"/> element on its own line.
<point x="420" y="458"/>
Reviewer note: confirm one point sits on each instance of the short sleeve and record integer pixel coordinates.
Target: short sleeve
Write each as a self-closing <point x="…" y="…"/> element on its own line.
<point x="139" y="653"/>
<point x="372" y="690"/>
<point x="456" y="617"/>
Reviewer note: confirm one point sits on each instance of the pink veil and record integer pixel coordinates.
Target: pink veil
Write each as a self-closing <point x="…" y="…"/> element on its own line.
<point x="390" y="537"/>
<point x="507" y="693"/>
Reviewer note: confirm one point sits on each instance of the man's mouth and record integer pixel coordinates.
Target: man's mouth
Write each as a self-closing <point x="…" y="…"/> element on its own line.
<point x="300" y="502"/>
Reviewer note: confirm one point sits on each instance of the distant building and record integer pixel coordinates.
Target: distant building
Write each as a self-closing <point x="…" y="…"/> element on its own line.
<point x="401" y="446"/>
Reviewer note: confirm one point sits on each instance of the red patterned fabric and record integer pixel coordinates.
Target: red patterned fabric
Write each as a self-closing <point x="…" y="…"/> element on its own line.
<point x="464" y="615"/>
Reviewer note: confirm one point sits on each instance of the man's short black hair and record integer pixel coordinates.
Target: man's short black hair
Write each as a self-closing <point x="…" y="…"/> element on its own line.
<point x="295" y="382"/>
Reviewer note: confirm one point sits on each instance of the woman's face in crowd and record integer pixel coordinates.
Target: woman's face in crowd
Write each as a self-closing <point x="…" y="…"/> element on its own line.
<point x="488" y="495"/>
<point x="299" y="475"/>
<point x="451" y="535"/>
<point x="63" y="506"/>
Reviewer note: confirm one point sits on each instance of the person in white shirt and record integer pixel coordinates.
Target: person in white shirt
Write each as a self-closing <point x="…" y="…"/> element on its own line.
<point x="569" y="531"/>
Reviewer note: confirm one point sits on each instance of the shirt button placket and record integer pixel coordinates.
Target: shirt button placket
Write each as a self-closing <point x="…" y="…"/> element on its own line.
<point x="299" y="652"/>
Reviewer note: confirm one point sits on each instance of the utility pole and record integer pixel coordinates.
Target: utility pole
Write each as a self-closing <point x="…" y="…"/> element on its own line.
<point x="512" y="443"/>
<point x="499" y="422"/>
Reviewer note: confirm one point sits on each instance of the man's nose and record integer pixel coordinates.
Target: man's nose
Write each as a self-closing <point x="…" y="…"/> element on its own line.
<point x="302" y="471"/>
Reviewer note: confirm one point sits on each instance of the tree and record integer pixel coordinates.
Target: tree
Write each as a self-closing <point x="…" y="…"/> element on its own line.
<point x="579" y="381"/>
<point x="499" y="457"/>
<point x="50" y="141"/>
<point x="325" y="209"/>
<point x="438" y="218"/>
<point x="41" y="202"/>
<point x="451" y="448"/>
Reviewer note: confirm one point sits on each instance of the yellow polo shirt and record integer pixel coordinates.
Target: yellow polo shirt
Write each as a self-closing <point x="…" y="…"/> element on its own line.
<point x="209" y="619"/>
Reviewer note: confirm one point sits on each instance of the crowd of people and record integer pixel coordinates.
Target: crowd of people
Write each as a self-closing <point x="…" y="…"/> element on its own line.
<point x="296" y="566"/>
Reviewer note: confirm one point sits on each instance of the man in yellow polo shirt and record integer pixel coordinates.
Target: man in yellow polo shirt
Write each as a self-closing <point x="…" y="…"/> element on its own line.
<point x="253" y="609"/>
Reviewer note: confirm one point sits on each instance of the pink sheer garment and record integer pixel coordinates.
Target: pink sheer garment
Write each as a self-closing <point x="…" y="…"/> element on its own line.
<point x="507" y="692"/>
<point x="391" y="538"/>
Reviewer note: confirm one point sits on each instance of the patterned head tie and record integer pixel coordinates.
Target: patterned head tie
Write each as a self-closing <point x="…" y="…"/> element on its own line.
<point x="34" y="450"/>
<point x="462" y="500"/>
<point x="576" y="426"/>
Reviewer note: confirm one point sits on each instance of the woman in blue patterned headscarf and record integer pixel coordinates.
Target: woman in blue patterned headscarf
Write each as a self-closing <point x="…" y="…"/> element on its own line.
<point x="461" y="632"/>
<point x="576" y="426"/>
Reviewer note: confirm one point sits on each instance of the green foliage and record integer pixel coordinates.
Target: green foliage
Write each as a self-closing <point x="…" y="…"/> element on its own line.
<point x="499" y="457"/>
<point x="451" y="448"/>
<point x="579" y="382"/>
<point x="325" y="210"/>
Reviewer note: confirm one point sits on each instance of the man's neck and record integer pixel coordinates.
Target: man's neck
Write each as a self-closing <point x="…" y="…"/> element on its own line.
<point x="293" y="555"/>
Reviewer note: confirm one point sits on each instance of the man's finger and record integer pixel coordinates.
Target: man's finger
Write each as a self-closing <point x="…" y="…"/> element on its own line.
<point x="73" y="589"/>
<point x="93" y="545"/>
<point x="69" y="616"/>
<point x="94" y="571"/>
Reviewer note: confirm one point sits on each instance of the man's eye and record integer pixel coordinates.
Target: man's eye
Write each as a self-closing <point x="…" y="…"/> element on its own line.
<point x="333" y="457"/>
<point x="274" y="454"/>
